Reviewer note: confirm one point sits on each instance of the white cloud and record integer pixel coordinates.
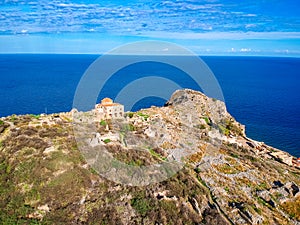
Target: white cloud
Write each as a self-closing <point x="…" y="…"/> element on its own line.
<point x="222" y="35"/>
<point x="250" y="15"/>
<point x="245" y="50"/>
<point x="250" y="25"/>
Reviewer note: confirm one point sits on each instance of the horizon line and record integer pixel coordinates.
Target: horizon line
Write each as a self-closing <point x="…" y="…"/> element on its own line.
<point x="162" y="55"/>
<point x="220" y="43"/>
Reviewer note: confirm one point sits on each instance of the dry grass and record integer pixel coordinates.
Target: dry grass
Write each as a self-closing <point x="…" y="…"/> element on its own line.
<point x="292" y="208"/>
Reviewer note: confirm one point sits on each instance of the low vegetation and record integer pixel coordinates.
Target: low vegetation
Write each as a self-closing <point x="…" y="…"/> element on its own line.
<point x="44" y="178"/>
<point x="144" y="116"/>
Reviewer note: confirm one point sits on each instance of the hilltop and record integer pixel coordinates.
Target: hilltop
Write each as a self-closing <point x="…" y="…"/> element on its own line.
<point x="47" y="177"/>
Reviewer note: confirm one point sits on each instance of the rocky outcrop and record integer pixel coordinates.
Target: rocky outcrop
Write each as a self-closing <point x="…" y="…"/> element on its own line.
<point x="227" y="178"/>
<point x="213" y="111"/>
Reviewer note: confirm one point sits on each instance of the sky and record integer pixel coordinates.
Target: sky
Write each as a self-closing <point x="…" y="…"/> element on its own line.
<point x="207" y="27"/>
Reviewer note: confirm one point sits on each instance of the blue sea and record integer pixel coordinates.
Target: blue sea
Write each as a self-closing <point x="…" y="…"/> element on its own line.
<point x="260" y="92"/>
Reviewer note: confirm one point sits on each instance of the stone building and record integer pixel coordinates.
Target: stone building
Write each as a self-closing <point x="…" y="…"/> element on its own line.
<point x="107" y="109"/>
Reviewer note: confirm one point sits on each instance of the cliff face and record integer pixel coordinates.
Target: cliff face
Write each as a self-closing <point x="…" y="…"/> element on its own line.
<point x="226" y="178"/>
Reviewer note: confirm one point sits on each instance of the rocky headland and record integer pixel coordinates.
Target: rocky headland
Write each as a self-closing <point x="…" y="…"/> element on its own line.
<point x="225" y="178"/>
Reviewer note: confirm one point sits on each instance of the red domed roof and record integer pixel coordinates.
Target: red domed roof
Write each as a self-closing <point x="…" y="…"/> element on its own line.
<point x="106" y="101"/>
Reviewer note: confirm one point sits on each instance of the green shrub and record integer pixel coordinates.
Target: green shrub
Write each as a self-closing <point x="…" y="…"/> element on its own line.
<point x="207" y="120"/>
<point x="197" y="170"/>
<point x="145" y="116"/>
<point x="169" y="207"/>
<point x="156" y="155"/>
<point x="13" y="118"/>
<point x="234" y="155"/>
<point x="35" y="116"/>
<point x="130" y="114"/>
<point x="262" y="186"/>
<point x="106" y="141"/>
<point x="226" y="189"/>
<point x="202" y="127"/>
<point x="128" y="127"/>
<point x="224" y="130"/>
<point x="141" y="205"/>
<point x="135" y="163"/>
<point x="229" y="125"/>
<point x="1" y="122"/>
<point x="258" y="210"/>
<point x="103" y="123"/>
<point x="202" y="181"/>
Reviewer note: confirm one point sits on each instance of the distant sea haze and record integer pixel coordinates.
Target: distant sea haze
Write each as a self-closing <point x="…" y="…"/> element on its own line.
<point x="260" y="92"/>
